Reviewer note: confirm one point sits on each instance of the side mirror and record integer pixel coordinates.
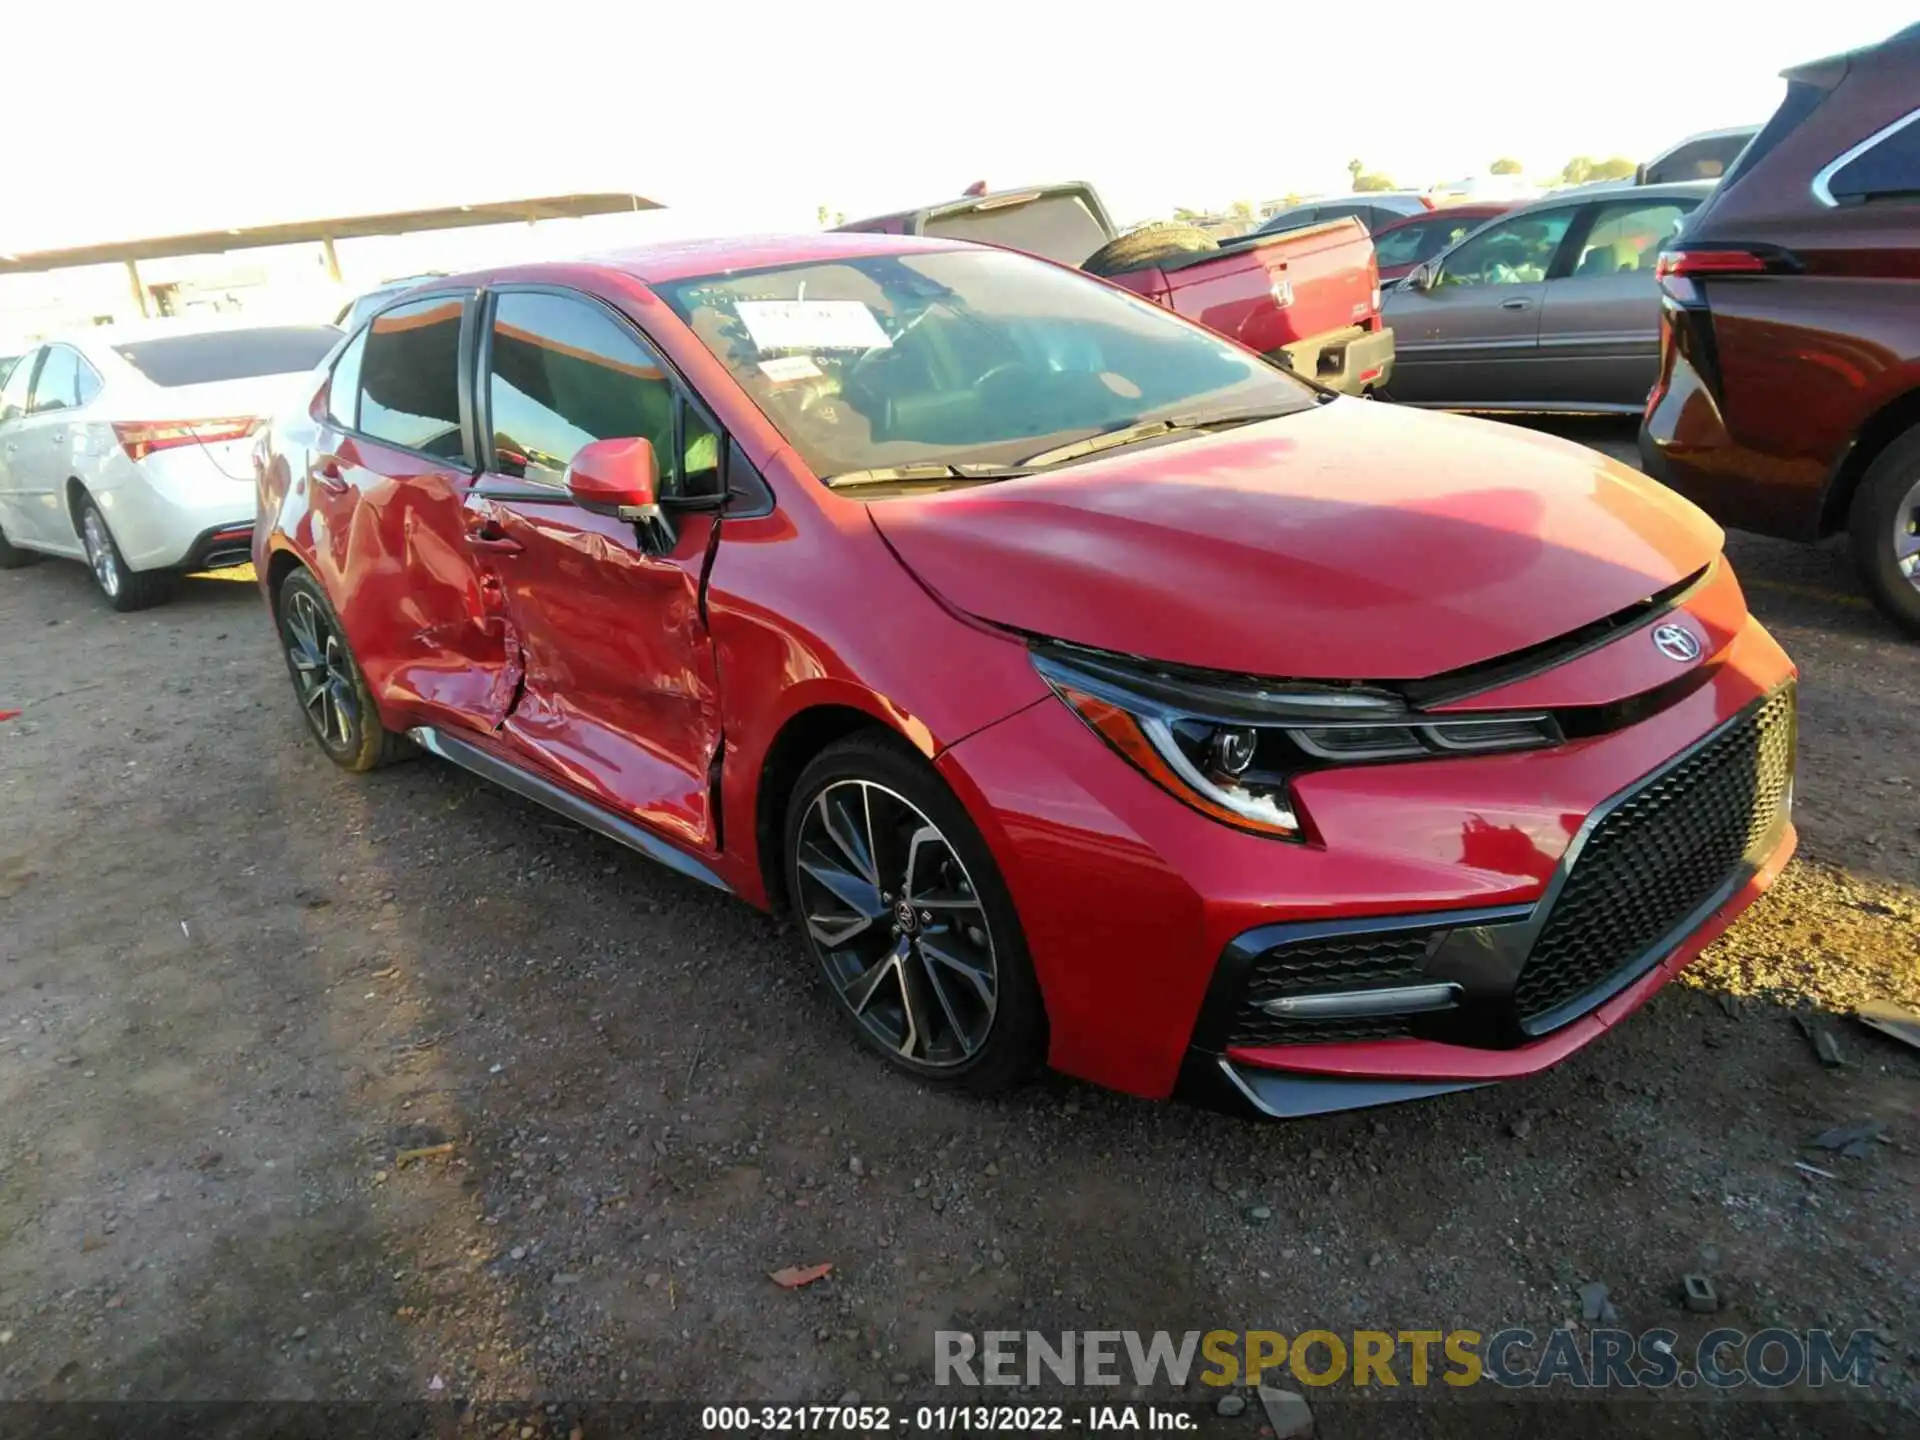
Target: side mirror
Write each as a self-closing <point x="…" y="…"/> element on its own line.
<point x="1421" y="277"/>
<point x="622" y="478"/>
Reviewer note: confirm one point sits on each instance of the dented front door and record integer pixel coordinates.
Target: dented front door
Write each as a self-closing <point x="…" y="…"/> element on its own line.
<point x="617" y="694"/>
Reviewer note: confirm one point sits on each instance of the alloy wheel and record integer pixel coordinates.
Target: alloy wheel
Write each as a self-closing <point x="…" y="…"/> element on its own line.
<point x="1906" y="536"/>
<point x="322" y="673"/>
<point x="100" y="552"/>
<point x="897" y="923"/>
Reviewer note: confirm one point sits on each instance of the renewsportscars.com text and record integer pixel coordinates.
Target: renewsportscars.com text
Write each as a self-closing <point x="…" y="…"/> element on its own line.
<point x="1603" y="1359"/>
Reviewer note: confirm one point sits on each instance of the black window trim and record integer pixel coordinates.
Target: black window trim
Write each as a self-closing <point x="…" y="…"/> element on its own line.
<point x="463" y="380"/>
<point x="496" y="486"/>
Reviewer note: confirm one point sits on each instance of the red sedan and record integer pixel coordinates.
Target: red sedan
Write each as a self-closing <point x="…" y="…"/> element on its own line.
<point x="1397" y="248"/>
<point x="1093" y="691"/>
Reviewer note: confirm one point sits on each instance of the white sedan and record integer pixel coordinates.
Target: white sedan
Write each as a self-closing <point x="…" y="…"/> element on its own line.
<point x="128" y="447"/>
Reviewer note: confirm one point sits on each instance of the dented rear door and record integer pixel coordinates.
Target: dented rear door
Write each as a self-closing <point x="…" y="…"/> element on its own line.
<point x="386" y="490"/>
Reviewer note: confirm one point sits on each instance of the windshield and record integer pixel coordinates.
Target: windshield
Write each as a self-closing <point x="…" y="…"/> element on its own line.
<point x="960" y="357"/>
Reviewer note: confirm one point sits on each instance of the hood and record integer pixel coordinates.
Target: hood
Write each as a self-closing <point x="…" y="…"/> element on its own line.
<point x="1354" y="541"/>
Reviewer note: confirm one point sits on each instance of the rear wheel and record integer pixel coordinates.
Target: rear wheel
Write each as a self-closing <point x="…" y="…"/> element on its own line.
<point x="1884" y="525"/>
<point x="907" y="916"/>
<point x="333" y="694"/>
<point x="1146" y="246"/>
<point x="12" y="557"/>
<point x="125" y="589"/>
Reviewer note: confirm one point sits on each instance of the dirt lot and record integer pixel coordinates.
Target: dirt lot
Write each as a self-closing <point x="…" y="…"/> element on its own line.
<point x="237" y="985"/>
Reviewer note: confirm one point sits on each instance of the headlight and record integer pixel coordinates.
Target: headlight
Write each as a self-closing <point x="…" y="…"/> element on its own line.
<point x="1229" y="748"/>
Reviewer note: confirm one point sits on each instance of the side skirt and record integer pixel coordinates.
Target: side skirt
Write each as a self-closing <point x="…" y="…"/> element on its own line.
<point x="562" y="802"/>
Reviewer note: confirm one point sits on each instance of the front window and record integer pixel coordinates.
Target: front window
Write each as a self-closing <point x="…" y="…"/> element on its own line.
<point x="961" y="357"/>
<point x="1514" y="252"/>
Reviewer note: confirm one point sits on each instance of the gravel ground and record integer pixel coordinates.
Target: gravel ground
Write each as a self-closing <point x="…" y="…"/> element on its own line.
<point x="237" y="986"/>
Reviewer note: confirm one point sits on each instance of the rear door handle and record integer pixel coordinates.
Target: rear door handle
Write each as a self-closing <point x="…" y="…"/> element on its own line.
<point x="491" y="537"/>
<point x="324" y="471"/>
<point x="1519" y="302"/>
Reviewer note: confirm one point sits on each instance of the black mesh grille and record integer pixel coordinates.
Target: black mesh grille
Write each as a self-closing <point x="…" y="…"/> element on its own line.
<point x="1659" y="856"/>
<point x="1309" y="967"/>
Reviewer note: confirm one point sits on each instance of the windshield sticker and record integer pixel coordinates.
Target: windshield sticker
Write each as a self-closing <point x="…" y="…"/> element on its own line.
<point x="790" y="367"/>
<point x="811" y="325"/>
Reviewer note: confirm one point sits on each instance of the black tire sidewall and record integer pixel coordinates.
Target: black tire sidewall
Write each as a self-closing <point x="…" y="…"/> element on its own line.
<point x="1016" y="1044"/>
<point x="1870" y="524"/>
<point x="371" y="739"/>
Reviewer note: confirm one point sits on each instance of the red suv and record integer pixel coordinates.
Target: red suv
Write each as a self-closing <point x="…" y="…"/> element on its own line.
<point x="1788" y="399"/>
<point x="1089" y="688"/>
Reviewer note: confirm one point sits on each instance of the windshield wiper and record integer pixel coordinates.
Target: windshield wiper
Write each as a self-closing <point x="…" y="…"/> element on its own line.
<point x="1147" y="430"/>
<point x="909" y="474"/>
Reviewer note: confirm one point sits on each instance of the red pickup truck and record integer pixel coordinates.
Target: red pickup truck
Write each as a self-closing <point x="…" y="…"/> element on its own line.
<point x="1308" y="299"/>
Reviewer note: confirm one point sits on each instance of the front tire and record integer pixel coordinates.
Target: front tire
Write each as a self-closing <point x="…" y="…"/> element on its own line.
<point x="1884" y="526"/>
<point x="126" y="589"/>
<point x="333" y="694"/>
<point x="904" y="910"/>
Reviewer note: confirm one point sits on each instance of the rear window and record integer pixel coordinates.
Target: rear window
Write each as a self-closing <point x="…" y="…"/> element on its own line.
<point x="229" y="354"/>
<point x="1055" y="227"/>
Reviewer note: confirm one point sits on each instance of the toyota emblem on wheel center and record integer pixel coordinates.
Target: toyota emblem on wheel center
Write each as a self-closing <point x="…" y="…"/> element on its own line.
<point x="1677" y="643"/>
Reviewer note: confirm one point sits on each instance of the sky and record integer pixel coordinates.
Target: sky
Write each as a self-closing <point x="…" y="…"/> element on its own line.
<point x="191" y="114"/>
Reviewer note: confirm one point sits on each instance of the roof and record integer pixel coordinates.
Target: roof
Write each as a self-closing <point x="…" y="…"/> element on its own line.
<point x="339" y="227"/>
<point x="1624" y="190"/>
<point x="669" y="260"/>
<point x="92" y="338"/>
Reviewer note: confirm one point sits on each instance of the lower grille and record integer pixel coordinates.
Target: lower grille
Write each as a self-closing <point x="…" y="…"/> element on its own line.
<point x="1659" y="856"/>
<point x="1309" y="967"/>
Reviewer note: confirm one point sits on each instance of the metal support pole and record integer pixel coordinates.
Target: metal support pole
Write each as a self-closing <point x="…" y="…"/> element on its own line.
<point x="333" y="260"/>
<point x="139" y="290"/>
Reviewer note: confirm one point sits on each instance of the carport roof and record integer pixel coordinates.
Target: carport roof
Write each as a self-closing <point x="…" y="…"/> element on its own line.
<point x="339" y="227"/>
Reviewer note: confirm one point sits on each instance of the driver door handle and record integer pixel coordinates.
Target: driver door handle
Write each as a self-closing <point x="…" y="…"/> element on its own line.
<point x="1519" y="302"/>
<point x="491" y="537"/>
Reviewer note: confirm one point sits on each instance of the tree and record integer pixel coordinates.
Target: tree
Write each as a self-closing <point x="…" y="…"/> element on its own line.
<point x="1354" y="167"/>
<point x="821" y="215"/>
<point x="1578" y="170"/>
<point x="1505" y="166"/>
<point x="1241" y="210"/>
<point x="1616" y="167"/>
<point x="1372" y="182"/>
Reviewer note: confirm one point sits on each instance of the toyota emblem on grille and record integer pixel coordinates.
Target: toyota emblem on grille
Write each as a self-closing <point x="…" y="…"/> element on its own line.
<point x="1676" y="643"/>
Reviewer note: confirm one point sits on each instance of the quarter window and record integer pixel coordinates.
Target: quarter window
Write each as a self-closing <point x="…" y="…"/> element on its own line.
<point x="1888" y="168"/>
<point x="564" y="373"/>
<point x="1513" y="252"/>
<point x="343" y="390"/>
<point x="409" y="378"/>
<point x="58" y="385"/>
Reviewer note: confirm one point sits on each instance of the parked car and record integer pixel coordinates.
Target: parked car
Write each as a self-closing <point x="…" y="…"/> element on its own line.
<point x="1788" y="395"/>
<point x="356" y="310"/>
<point x="1309" y="301"/>
<point x="1375" y="210"/>
<point x="128" y="447"/>
<point x="1089" y="689"/>
<point x="7" y="362"/>
<point x="1706" y="156"/>
<point x="1398" y="247"/>
<point x="1551" y="307"/>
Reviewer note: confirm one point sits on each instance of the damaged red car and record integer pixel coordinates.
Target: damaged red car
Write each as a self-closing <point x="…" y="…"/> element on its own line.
<point x="1092" y="691"/>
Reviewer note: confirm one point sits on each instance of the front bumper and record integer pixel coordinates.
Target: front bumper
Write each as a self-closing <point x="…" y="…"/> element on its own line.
<point x="1130" y="900"/>
<point x="1352" y="361"/>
